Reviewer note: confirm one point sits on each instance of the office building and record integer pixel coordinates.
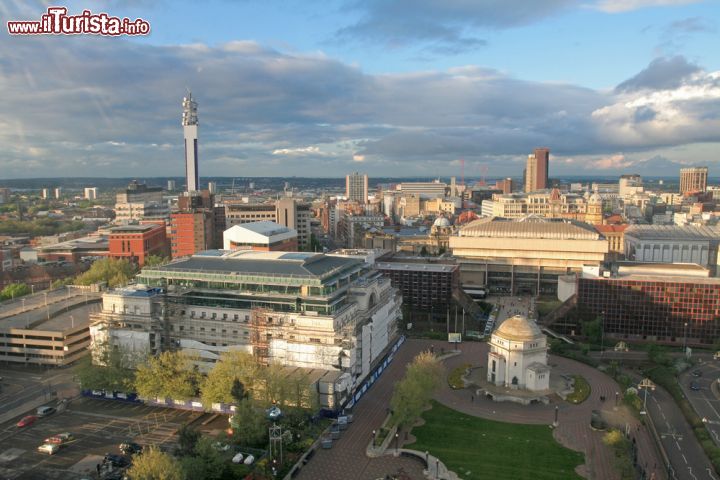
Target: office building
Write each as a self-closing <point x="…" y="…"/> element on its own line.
<point x="506" y="185"/>
<point x="525" y="256"/>
<point x="356" y="187"/>
<point x="58" y="193"/>
<point x="45" y="193"/>
<point x="190" y="133"/>
<point x="140" y="202"/>
<point x="423" y="284"/>
<point x="212" y="187"/>
<point x="693" y="180"/>
<point x="537" y="169"/>
<point x="171" y="185"/>
<point x="629" y="185"/>
<point x="136" y="242"/>
<point x="657" y="303"/>
<point x="260" y="236"/>
<point x="90" y="193"/>
<point x="304" y="310"/>
<point x="432" y="189"/>
<point x="191" y="231"/>
<point x="673" y="244"/>
<point x="287" y="212"/>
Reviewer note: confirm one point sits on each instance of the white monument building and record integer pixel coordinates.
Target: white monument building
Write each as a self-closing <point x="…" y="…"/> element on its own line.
<point x="518" y="356"/>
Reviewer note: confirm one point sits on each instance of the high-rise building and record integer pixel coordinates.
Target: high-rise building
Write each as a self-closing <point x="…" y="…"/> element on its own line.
<point x="45" y="193"/>
<point x="58" y="193"/>
<point x="190" y="131"/>
<point x="693" y="180"/>
<point x="90" y="193"/>
<point x="171" y="185"/>
<point x="140" y="202"/>
<point x="356" y="187"/>
<point x="212" y="187"/>
<point x="506" y="185"/>
<point x="536" y="172"/>
<point x="192" y="228"/>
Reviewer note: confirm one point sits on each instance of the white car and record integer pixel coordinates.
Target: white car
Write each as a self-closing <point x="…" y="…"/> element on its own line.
<point x="49" y="448"/>
<point x="238" y="458"/>
<point x="249" y="460"/>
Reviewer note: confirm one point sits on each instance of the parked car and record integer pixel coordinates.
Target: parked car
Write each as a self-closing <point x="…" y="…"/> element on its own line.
<point x="130" y="448"/>
<point x="49" y="448"/>
<point x="238" y="458"/>
<point x="697" y="373"/>
<point x="61" y="438"/>
<point x="249" y="460"/>
<point x="117" y="460"/>
<point x="27" y="421"/>
<point x="45" y="411"/>
<point x="694" y="385"/>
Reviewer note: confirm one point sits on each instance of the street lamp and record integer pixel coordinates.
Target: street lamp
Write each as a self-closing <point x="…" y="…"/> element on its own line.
<point x="684" y="337"/>
<point x="646" y="384"/>
<point x="397" y="442"/>
<point x="373" y="438"/>
<point x="616" y="398"/>
<point x="555" y="423"/>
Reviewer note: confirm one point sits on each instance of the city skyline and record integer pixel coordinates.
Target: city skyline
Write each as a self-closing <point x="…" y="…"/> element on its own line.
<point x="355" y="95"/>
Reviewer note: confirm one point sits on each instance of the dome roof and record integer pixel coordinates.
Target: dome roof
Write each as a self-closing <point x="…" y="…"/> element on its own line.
<point x="518" y="328"/>
<point x="441" y="222"/>
<point x="595" y="198"/>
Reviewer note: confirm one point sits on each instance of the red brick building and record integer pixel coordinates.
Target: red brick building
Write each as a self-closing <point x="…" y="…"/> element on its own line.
<point x="191" y="232"/>
<point x="137" y="242"/>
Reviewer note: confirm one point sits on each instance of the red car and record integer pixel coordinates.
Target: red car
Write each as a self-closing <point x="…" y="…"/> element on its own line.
<point x="27" y="421"/>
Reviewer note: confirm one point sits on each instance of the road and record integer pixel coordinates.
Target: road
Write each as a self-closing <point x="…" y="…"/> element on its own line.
<point x="686" y="456"/>
<point x="705" y="403"/>
<point x="21" y="385"/>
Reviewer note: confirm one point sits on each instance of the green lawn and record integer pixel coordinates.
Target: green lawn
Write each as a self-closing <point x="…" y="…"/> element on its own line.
<point x="582" y="390"/>
<point x="489" y="449"/>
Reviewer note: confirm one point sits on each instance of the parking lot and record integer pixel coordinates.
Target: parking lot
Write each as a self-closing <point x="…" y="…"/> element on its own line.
<point x="98" y="426"/>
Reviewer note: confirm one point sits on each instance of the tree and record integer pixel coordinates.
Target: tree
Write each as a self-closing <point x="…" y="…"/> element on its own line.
<point x="154" y="260"/>
<point x="14" y="290"/>
<point x="187" y="439"/>
<point x="152" y="464"/>
<point x="233" y="365"/>
<point x="116" y="272"/>
<point x="238" y="391"/>
<point x="248" y="424"/>
<point x="592" y="330"/>
<point x="107" y="368"/>
<point x="411" y="394"/>
<point x="168" y="375"/>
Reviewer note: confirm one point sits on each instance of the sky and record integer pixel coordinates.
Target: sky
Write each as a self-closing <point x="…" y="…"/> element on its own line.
<point x="384" y="87"/>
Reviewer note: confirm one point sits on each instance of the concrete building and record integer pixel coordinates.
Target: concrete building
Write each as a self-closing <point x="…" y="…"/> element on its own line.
<point x="524" y="256"/>
<point x="191" y="232"/>
<point x="136" y="242"/>
<point x="356" y="187"/>
<point x="45" y="193"/>
<point x="5" y="195"/>
<point x="537" y="169"/>
<point x="212" y="187"/>
<point x="351" y="228"/>
<point x="140" y="202"/>
<point x="517" y="358"/>
<point x="58" y="193"/>
<point x="90" y="193"/>
<point x="74" y="250"/>
<point x="293" y="309"/>
<point x="190" y="134"/>
<point x="423" y="284"/>
<point x="506" y="185"/>
<point x="659" y="303"/>
<point x="287" y="212"/>
<point x="432" y="189"/>
<point x="615" y="236"/>
<point x="171" y="185"/>
<point x="673" y="244"/>
<point x="260" y="236"/>
<point x="47" y="329"/>
<point x="693" y="180"/>
<point x="629" y="185"/>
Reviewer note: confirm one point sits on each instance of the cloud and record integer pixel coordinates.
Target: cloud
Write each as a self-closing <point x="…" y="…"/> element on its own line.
<point x="297" y="152"/>
<point x="267" y="112"/>
<point x="613" y="162"/>
<point x="662" y="73"/>
<point x="444" y="25"/>
<point x="619" y="6"/>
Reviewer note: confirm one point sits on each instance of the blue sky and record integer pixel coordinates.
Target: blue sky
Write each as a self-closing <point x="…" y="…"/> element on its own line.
<point x="390" y="87"/>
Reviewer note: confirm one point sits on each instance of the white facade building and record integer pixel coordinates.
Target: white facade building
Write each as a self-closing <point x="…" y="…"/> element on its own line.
<point x="518" y="356"/>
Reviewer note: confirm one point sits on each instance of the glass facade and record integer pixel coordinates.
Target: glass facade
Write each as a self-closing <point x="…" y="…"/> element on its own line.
<point x="654" y="309"/>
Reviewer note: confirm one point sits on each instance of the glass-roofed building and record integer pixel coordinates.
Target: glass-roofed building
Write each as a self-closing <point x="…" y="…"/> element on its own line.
<point x="306" y="310"/>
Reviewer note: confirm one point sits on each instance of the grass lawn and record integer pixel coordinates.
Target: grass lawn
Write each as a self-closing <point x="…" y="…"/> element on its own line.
<point x="489" y="449"/>
<point x="582" y="390"/>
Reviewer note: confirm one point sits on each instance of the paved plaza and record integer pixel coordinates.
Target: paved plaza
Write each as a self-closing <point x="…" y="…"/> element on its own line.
<point x="347" y="459"/>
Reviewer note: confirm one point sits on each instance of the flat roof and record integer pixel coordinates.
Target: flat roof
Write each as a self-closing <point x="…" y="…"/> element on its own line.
<point x="661" y="278"/>
<point x="672" y="232"/>
<point x="135" y="228"/>
<point x="530" y="226"/>
<point x="295" y="264"/>
<point x="417" y="267"/>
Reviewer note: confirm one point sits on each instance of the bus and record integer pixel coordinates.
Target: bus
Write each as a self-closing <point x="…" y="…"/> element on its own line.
<point x="476" y="292"/>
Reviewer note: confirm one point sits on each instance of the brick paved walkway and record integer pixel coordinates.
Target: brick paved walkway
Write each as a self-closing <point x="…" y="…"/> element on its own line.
<point x="347" y="460"/>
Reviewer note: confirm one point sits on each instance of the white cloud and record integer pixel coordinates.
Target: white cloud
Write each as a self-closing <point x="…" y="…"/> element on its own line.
<point x="618" y="6"/>
<point x="297" y="152"/>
